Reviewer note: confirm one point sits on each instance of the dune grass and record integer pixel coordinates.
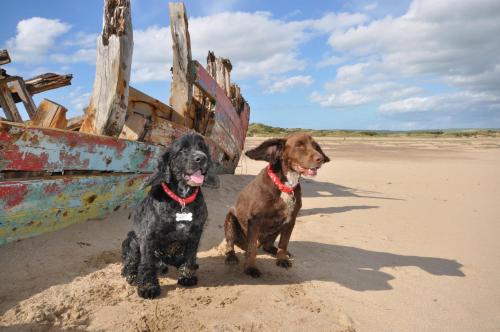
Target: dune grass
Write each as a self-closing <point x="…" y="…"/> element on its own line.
<point x="258" y="129"/>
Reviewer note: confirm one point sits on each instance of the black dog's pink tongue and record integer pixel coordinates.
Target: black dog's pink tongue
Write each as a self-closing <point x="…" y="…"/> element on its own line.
<point x="197" y="177"/>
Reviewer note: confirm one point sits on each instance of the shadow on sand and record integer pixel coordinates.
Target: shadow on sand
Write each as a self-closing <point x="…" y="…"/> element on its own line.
<point x="354" y="268"/>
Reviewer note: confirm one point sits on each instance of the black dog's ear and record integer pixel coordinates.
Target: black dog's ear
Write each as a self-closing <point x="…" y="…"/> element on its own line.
<point x="269" y="150"/>
<point x="211" y="177"/>
<point x="318" y="148"/>
<point x="162" y="173"/>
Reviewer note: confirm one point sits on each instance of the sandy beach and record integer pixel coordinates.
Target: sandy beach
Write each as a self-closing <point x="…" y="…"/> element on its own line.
<point x="395" y="234"/>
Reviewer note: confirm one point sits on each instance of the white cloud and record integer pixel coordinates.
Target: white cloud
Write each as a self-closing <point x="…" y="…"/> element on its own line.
<point x="82" y="39"/>
<point x="257" y="44"/>
<point x="447" y="38"/>
<point x="152" y="57"/>
<point x="34" y="38"/>
<point x="446" y="43"/>
<point x="81" y="55"/>
<point x="282" y="84"/>
<point x="457" y="101"/>
<point x="78" y="100"/>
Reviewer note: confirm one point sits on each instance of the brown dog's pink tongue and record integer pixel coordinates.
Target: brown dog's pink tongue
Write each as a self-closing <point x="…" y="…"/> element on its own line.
<point x="197" y="177"/>
<point x="312" y="171"/>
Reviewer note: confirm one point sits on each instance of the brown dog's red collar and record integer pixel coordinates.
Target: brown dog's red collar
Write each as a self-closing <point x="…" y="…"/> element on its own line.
<point x="180" y="200"/>
<point x="282" y="187"/>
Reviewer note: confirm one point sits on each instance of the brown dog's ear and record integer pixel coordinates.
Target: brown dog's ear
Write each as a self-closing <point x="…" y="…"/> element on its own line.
<point x="269" y="150"/>
<point x="318" y="148"/>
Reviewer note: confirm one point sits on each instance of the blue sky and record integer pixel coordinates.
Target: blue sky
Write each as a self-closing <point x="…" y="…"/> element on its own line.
<point x="360" y="64"/>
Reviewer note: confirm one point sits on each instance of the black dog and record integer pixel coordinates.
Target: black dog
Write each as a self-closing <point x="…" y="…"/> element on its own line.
<point x="168" y="223"/>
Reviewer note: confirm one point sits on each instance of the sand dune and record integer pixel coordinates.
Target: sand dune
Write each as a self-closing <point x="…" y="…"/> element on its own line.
<point x="395" y="234"/>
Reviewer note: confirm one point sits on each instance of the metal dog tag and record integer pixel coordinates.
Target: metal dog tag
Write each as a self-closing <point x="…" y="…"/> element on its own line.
<point x="184" y="216"/>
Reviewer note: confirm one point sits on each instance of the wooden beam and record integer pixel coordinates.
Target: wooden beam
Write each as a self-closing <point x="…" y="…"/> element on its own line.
<point x="43" y="83"/>
<point x="7" y="103"/>
<point x="22" y="93"/>
<point x="52" y="150"/>
<point x="107" y="110"/>
<point x="47" y="81"/>
<point x="181" y="89"/>
<point x="75" y="123"/>
<point x="50" y="115"/>
<point x="4" y="57"/>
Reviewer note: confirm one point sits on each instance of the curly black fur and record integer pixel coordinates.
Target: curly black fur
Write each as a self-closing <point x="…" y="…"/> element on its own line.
<point x="157" y="239"/>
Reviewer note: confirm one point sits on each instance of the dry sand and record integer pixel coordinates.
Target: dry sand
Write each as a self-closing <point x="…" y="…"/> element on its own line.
<point x="394" y="235"/>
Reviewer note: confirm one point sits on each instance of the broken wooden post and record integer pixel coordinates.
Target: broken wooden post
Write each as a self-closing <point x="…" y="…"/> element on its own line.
<point x="220" y="69"/>
<point x="43" y="83"/>
<point x="20" y="89"/>
<point x="50" y="115"/>
<point x="181" y="89"/>
<point x="7" y="103"/>
<point x="4" y="57"/>
<point x="106" y="112"/>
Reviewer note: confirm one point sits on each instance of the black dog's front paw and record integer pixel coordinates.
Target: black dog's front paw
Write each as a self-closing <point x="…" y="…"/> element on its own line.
<point x="162" y="268"/>
<point x="148" y="291"/>
<point x="231" y="258"/>
<point x="188" y="281"/>
<point x="131" y="279"/>
<point x="284" y="263"/>
<point x="253" y="272"/>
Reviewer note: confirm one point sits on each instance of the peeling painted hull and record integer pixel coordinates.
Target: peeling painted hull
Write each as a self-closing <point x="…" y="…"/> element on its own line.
<point x="32" y="207"/>
<point x="52" y="193"/>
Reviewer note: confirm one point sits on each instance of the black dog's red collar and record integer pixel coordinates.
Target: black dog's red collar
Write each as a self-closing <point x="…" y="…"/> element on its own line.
<point x="180" y="200"/>
<point x="282" y="187"/>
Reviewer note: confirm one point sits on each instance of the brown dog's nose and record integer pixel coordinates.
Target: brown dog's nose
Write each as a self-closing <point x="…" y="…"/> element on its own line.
<point x="318" y="158"/>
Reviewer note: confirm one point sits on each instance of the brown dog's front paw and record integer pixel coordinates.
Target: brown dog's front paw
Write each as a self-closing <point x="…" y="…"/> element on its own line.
<point x="187" y="282"/>
<point x="231" y="258"/>
<point x="148" y="291"/>
<point x="271" y="250"/>
<point x="253" y="272"/>
<point x="284" y="263"/>
<point x="274" y="251"/>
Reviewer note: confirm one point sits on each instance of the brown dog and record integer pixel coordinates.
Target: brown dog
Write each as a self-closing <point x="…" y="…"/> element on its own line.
<point x="267" y="206"/>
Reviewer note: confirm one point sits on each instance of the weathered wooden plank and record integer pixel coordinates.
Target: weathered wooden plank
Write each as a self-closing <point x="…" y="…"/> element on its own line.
<point x="50" y="115"/>
<point x="139" y="102"/>
<point x="107" y="110"/>
<point x="24" y="148"/>
<point x="32" y="207"/>
<point x="181" y="88"/>
<point x="134" y="127"/>
<point x="7" y="103"/>
<point x="43" y="83"/>
<point x="4" y="57"/>
<point x="22" y="93"/>
<point x="224" y="109"/>
<point x="47" y="81"/>
<point x="75" y="123"/>
<point x="162" y="131"/>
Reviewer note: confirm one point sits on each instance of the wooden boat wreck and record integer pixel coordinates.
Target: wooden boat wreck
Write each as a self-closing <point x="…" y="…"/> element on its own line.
<point x="56" y="171"/>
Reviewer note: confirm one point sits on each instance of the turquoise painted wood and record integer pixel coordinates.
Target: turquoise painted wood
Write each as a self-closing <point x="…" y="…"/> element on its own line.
<point x="29" y="208"/>
<point x="24" y="148"/>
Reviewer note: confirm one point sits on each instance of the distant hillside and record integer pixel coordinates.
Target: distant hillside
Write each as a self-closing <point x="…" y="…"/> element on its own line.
<point x="258" y="129"/>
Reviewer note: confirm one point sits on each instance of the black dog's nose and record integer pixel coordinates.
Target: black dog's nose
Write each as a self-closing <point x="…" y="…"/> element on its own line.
<point x="200" y="158"/>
